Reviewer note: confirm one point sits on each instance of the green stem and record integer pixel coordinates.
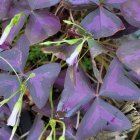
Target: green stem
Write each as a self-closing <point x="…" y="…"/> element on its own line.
<point x="42" y="133"/>
<point x="7" y="99"/>
<point x="23" y="89"/>
<point x="51" y="102"/>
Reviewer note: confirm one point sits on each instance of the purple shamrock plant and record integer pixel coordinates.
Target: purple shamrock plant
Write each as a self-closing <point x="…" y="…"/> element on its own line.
<point x="103" y="22"/>
<point x="65" y="103"/>
<point x="77" y="92"/>
<point x="101" y="116"/>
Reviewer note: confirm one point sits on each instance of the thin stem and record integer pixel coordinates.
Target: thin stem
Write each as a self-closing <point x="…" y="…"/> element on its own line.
<point x="136" y="133"/>
<point x="42" y="133"/>
<point x="83" y="55"/>
<point x="54" y="134"/>
<point x="51" y="102"/>
<point x="7" y="99"/>
<point x="71" y="16"/>
<point x="19" y="113"/>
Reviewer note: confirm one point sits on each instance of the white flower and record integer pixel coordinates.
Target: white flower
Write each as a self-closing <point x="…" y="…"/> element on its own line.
<point x="5" y="35"/>
<point x="14" y="115"/>
<point x="73" y="58"/>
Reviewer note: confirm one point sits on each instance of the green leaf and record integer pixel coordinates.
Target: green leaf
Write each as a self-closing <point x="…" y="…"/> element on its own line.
<point x="69" y="41"/>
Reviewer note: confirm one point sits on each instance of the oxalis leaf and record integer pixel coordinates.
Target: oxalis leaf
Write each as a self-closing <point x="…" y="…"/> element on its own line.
<point x="40" y="85"/>
<point x="101" y="117"/>
<point x="8" y="85"/>
<point x="36" y="129"/>
<point x="37" y="30"/>
<point x="76" y="93"/>
<point x="4" y="8"/>
<point x="119" y="87"/>
<point x="102" y="23"/>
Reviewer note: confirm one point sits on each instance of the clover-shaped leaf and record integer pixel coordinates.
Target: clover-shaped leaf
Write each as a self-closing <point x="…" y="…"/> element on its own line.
<point x="101" y="116"/>
<point x="41" y="25"/>
<point x="76" y="92"/>
<point x="102" y="23"/>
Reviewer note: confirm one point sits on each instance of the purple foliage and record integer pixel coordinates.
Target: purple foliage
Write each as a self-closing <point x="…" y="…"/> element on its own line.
<point x="106" y="18"/>
<point x="37" y="30"/>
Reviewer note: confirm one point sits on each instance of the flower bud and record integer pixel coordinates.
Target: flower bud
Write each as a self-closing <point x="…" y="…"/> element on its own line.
<point x="62" y="137"/>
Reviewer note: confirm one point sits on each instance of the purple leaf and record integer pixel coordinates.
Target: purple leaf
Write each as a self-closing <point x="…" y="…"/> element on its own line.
<point x="8" y="85"/>
<point x="76" y="93"/>
<point x="46" y="110"/>
<point x="63" y="51"/>
<point x="69" y="134"/>
<point x="101" y="116"/>
<point x="41" y="25"/>
<point x="4" y="8"/>
<point x="119" y="87"/>
<point x="134" y="77"/>
<point x="5" y="46"/>
<point x="131" y="12"/>
<point x="18" y="7"/>
<point x="5" y="133"/>
<point x="79" y="4"/>
<point x="128" y="29"/>
<point x="15" y="30"/>
<point x="59" y="83"/>
<point x="5" y="110"/>
<point x="36" y="129"/>
<point x="102" y="23"/>
<point x="16" y="56"/>
<point x="128" y="54"/>
<point x="34" y="4"/>
<point x="40" y="85"/>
